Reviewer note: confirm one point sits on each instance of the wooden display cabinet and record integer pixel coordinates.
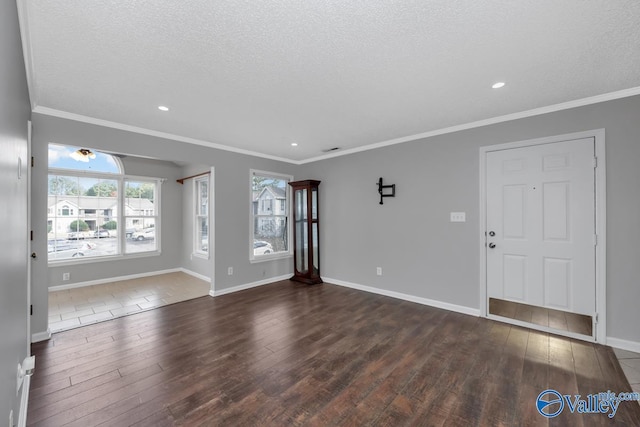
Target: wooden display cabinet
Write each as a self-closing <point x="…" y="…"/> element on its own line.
<point x="306" y="250"/>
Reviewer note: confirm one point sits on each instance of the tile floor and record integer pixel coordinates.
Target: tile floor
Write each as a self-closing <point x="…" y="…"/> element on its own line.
<point x="630" y="363"/>
<point x="77" y="307"/>
<point x="73" y="308"/>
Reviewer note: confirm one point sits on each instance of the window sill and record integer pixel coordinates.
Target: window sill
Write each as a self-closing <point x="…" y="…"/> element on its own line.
<point x="265" y="258"/>
<point x="200" y="255"/>
<point x="78" y="261"/>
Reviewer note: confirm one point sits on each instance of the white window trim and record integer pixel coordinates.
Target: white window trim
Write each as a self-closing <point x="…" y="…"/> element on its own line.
<point x="273" y="256"/>
<point x="157" y="222"/>
<point x="196" y="198"/>
<point x="120" y="178"/>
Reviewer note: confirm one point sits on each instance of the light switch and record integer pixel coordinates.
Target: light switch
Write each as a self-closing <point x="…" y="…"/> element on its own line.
<point x="458" y="217"/>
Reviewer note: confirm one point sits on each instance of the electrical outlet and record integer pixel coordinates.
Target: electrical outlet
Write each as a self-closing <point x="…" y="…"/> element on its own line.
<point x="379" y="271"/>
<point x="230" y="271"/>
<point x="458" y="217"/>
<point x="66" y="276"/>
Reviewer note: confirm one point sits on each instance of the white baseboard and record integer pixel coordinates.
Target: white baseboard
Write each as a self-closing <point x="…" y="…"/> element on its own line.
<point x="624" y="344"/>
<point x="196" y="275"/>
<point x="112" y="279"/>
<point x="217" y="293"/>
<point x="41" y="336"/>
<point x="424" y="301"/>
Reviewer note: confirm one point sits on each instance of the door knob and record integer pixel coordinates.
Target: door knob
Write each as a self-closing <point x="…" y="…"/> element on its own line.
<point x="492" y="245"/>
<point x="33" y="255"/>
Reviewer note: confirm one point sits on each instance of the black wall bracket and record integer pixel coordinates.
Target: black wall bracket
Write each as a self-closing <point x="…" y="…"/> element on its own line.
<point x="381" y="189"/>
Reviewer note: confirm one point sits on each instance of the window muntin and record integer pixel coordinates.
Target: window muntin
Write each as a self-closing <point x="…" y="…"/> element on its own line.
<point x="269" y="215"/>
<point x="201" y="217"/>
<point x="84" y="208"/>
<point x="72" y="233"/>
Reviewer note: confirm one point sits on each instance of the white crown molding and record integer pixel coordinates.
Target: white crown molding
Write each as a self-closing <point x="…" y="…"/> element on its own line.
<point x="27" y="51"/>
<point x="479" y="123"/>
<point x="115" y="125"/>
<point x="500" y="119"/>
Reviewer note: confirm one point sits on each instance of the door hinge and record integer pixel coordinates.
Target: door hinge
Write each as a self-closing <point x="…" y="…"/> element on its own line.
<point x="32" y="161"/>
<point x="595" y="240"/>
<point x="595" y="318"/>
<point x="31" y="235"/>
<point x="595" y="162"/>
<point x="31" y="309"/>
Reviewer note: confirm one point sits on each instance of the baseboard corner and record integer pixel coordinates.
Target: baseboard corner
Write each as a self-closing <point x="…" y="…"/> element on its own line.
<point x="41" y="336"/>
<point x="624" y="344"/>
<point x="196" y="275"/>
<point x="217" y="293"/>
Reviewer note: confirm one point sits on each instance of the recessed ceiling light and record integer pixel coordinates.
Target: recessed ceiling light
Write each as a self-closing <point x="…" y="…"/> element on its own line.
<point x="163" y="108"/>
<point x="498" y="85"/>
<point x="294" y="144"/>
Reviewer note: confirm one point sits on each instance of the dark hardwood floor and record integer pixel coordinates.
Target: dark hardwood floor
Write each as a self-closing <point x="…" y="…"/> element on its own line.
<point x="556" y="319"/>
<point x="291" y="354"/>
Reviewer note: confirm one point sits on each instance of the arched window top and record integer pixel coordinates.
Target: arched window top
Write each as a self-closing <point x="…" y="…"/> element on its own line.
<point x="83" y="159"/>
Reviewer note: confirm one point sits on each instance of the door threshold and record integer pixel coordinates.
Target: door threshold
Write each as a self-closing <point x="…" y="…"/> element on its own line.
<point x="541" y="328"/>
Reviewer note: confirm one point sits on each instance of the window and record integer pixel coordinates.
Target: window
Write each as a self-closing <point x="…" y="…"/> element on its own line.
<point x="201" y="218"/>
<point x="89" y="197"/>
<point x="269" y="215"/>
<point x="140" y="215"/>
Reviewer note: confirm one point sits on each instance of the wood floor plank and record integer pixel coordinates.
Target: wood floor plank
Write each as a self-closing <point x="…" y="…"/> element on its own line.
<point x="292" y="354"/>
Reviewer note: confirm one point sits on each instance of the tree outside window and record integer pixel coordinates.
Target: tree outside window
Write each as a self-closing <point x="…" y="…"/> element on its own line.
<point x="269" y="212"/>
<point x="87" y="201"/>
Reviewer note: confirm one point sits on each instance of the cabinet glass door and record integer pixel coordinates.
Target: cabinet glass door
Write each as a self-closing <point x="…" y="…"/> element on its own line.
<point x="314" y="228"/>
<point x="301" y="231"/>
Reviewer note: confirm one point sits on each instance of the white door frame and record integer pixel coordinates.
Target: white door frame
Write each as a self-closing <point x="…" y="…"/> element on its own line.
<point x="600" y="321"/>
<point x="212" y="229"/>
<point x="27" y="168"/>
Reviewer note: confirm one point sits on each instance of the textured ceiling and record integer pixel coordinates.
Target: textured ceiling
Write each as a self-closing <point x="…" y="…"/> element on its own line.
<point x="259" y="75"/>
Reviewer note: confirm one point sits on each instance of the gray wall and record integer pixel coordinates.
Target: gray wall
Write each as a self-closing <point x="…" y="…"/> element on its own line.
<point x="194" y="263"/>
<point x="423" y="254"/>
<point x="231" y="207"/>
<point x="14" y="114"/>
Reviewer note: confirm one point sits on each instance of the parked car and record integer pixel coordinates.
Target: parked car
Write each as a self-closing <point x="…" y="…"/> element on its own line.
<point x="65" y="248"/>
<point x="102" y="233"/>
<point x="78" y="235"/>
<point x="129" y="232"/>
<point x="260" y="247"/>
<point x="146" y="234"/>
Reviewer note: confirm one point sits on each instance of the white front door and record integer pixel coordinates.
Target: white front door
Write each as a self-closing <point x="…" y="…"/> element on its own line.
<point x="540" y="219"/>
